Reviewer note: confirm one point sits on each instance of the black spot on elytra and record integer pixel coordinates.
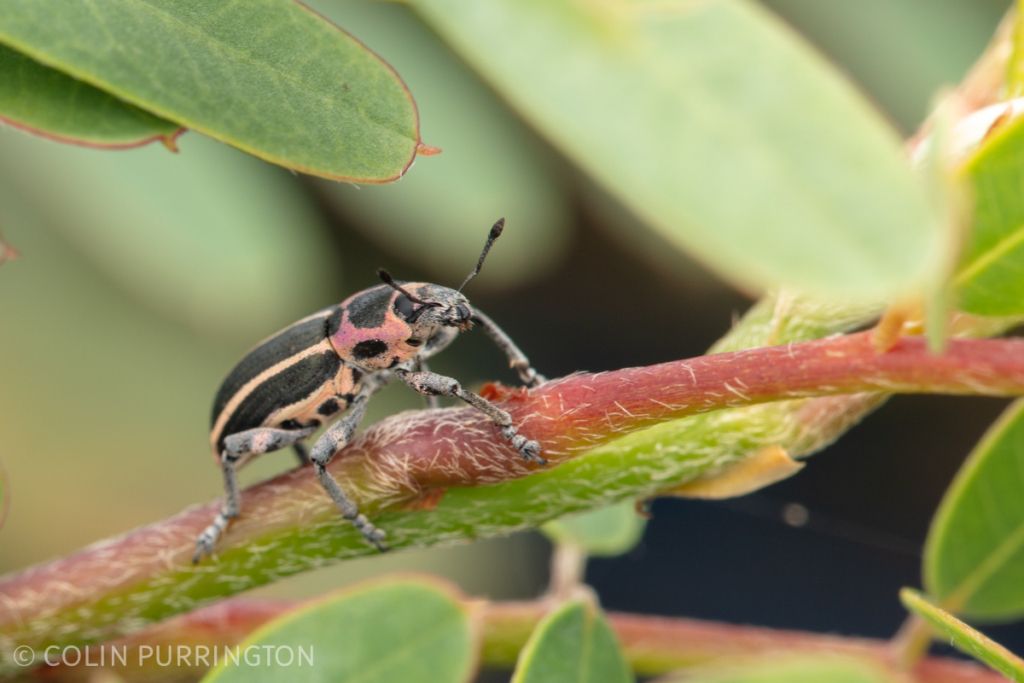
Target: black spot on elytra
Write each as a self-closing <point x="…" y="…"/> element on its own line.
<point x="369" y="349"/>
<point x="367" y="310"/>
<point x="291" y="424"/>
<point x="328" y="407"/>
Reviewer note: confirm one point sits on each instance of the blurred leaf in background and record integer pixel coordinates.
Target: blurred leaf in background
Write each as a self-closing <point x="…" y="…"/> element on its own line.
<point x="899" y="52"/>
<point x="397" y="630"/>
<point x="215" y="239"/>
<point x="728" y="135"/>
<point x="490" y="165"/>
<point x="604" y="532"/>
<point x="573" y="643"/>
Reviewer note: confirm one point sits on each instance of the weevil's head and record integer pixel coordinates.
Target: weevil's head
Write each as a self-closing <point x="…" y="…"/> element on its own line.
<point x="390" y="324"/>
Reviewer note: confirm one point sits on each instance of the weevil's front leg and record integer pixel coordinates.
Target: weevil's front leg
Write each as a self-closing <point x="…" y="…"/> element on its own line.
<point x="432" y="383"/>
<point x="339" y="434"/>
<point x="432" y="400"/>
<point x="251" y="441"/>
<point x="517" y="360"/>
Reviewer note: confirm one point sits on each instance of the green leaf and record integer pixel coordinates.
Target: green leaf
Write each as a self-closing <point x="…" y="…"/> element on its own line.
<point x="990" y="278"/>
<point x="964" y="638"/>
<point x="214" y="238"/>
<point x="41" y="100"/>
<point x="974" y="554"/>
<point x="783" y="669"/>
<point x="573" y="644"/>
<point x="399" y="630"/>
<point x="1015" y="66"/>
<point x="719" y="127"/>
<point x="491" y="166"/>
<point x="267" y="76"/>
<point x="607" y="531"/>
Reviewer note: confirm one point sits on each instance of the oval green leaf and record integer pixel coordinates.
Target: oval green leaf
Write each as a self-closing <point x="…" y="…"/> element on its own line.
<point x="974" y="554"/>
<point x="46" y="102"/>
<point x="400" y="630"/>
<point x="989" y="278"/>
<point x="573" y="644"/>
<point x="718" y="126"/>
<point x="267" y="76"/>
<point x="603" y="532"/>
<point x="964" y="638"/>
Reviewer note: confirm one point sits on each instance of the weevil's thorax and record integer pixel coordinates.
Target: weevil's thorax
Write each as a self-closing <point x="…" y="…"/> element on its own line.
<point x="381" y="328"/>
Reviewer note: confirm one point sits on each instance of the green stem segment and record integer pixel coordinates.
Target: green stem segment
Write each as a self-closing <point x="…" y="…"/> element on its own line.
<point x="440" y="476"/>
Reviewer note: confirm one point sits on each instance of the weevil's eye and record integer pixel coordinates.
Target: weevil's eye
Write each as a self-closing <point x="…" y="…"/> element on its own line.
<point x="405" y="308"/>
<point x="413" y="342"/>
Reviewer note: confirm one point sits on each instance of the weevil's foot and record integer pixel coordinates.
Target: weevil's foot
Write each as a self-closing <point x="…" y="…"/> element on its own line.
<point x="204" y="546"/>
<point x="371" y="534"/>
<point x="208" y="539"/>
<point x="531" y="452"/>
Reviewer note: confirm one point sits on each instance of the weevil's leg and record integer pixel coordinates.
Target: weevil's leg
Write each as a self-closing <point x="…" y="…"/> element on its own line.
<point x="517" y="360"/>
<point x="432" y="400"/>
<point x="301" y="453"/>
<point x="252" y="441"/>
<point x="433" y="383"/>
<point x="339" y="434"/>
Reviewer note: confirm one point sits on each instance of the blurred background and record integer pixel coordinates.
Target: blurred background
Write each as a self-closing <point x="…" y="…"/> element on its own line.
<point x="111" y="350"/>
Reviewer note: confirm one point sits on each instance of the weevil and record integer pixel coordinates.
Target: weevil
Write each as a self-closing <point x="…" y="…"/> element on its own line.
<point x="325" y="367"/>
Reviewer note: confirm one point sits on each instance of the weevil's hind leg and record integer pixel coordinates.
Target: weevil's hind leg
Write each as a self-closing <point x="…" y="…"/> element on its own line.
<point x="301" y="453"/>
<point x="252" y="441"/>
<point x="433" y="383"/>
<point x="517" y="360"/>
<point x="336" y="436"/>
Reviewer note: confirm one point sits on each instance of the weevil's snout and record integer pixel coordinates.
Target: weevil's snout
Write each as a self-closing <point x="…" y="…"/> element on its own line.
<point x="465" y="316"/>
<point x="459" y="314"/>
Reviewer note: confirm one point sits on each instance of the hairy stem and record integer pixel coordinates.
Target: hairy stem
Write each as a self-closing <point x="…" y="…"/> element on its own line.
<point x="475" y="485"/>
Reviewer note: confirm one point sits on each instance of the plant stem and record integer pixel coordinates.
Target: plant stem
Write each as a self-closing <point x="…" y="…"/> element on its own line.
<point x="404" y="464"/>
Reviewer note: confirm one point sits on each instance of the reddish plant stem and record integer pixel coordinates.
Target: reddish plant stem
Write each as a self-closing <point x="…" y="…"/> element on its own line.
<point x="652" y="645"/>
<point x="412" y="455"/>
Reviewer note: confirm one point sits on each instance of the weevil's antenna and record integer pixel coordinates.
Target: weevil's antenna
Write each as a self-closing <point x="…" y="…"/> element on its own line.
<point x="390" y="281"/>
<point x="494" y="234"/>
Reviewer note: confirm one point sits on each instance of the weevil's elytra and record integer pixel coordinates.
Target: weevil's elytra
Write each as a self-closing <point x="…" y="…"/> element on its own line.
<point x="325" y="367"/>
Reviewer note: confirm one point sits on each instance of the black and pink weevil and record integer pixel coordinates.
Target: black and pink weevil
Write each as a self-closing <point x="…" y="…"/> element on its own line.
<point x="328" y="365"/>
